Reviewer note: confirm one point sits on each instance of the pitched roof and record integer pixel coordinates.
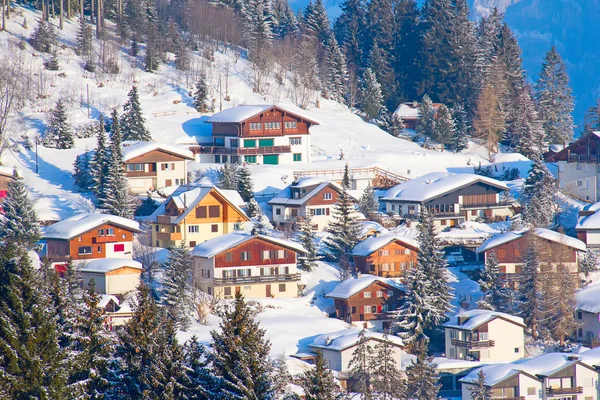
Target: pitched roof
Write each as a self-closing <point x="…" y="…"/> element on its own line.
<point x="217" y="245"/>
<point x="245" y="112"/>
<point x="588" y="299"/>
<point x="6" y="171"/>
<point x="285" y="196"/>
<point x="477" y="317"/>
<point x="555" y="155"/>
<point x="374" y="243"/>
<point x="138" y="149"/>
<point x="344" y="339"/>
<point x="543" y="233"/>
<point x="104" y="265"/>
<point x="351" y="286"/>
<point x="495" y="373"/>
<point x="81" y="223"/>
<point x="436" y="184"/>
<point x="589" y="222"/>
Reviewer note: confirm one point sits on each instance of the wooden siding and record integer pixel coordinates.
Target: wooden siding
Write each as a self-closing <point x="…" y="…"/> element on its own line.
<point x="319" y="200"/>
<point x="255" y="246"/>
<point x="343" y="307"/>
<point x="514" y="252"/>
<point x="155" y="156"/>
<point x="227" y="213"/>
<point x="57" y="249"/>
<point x="470" y="190"/>
<point x="363" y="264"/>
<point x="4" y="182"/>
<point x="124" y="271"/>
<point x="90" y="238"/>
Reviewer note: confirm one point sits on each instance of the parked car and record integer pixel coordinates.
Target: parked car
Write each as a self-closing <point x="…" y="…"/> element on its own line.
<point x="455" y="257"/>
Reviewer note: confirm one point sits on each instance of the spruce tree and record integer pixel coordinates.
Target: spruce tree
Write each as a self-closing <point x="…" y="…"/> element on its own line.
<point x="253" y="208"/>
<point x="82" y="172"/>
<point x="407" y="45"/>
<point x="318" y="382"/>
<point x="281" y="376"/>
<point x="396" y="126"/>
<point x="588" y="262"/>
<point x="244" y="183"/>
<point x="386" y="377"/>
<point x="444" y="126"/>
<point x="461" y="133"/>
<point x="177" y="293"/>
<point x="554" y="98"/>
<point x="592" y="118"/>
<point x="197" y="369"/>
<point x="532" y="297"/>
<point x="528" y="133"/>
<point x="371" y="96"/>
<point x="562" y="304"/>
<point x="421" y="375"/>
<point x="481" y="390"/>
<point x="380" y="62"/>
<point x="132" y="119"/>
<point x="360" y="367"/>
<point x="239" y="358"/>
<point x="182" y="56"/>
<point x="228" y="176"/>
<point x="349" y="31"/>
<point x="201" y="95"/>
<point x="335" y="80"/>
<point x="343" y="229"/>
<point x="84" y="41"/>
<point x="99" y="163"/>
<point x="495" y="291"/>
<point x="59" y="134"/>
<point x="44" y="37"/>
<point x="368" y="204"/>
<point x="539" y="195"/>
<point x="260" y="224"/>
<point x="426" y="122"/>
<point x="416" y="312"/>
<point x="285" y="23"/>
<point x="308" y="238"/>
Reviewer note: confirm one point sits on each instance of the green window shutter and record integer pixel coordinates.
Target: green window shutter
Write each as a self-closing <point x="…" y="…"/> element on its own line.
<point x="266" y="142"/>
<point x="250" y="159"/>
<point x="297" y="157"/>
<point x="249" y="142"/>
<point x="272" y="159"/>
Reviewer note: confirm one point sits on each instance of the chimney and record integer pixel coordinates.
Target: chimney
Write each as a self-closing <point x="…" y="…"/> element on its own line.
<point x="185" y="200"/>
<point x="328" y="340"/>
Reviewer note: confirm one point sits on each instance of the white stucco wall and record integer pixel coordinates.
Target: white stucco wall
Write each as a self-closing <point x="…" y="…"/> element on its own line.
<point x="127" y="253"/>
<point x="589" y="324"/>
<point x="568" y="175"/>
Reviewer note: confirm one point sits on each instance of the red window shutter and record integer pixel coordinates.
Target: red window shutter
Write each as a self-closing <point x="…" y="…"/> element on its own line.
<point x="379" y="308"/>
<point x="2" y="194"/>
<point x="120" y="247"/>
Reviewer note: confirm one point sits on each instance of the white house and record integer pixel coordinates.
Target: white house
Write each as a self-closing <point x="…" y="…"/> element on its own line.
<point x="588" y="226"/>
<point x="112" y="275"/>
<point x="337" y="347"/>
<point x="587" y="315"/>
<point x="507" y="381"/>
<point x="483" y="335"/>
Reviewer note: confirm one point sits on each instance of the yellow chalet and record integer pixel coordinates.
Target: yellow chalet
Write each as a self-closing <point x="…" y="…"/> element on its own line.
<point x="196" y="213"/>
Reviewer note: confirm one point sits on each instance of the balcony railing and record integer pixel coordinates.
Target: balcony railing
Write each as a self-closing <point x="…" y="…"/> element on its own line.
<point x="167" y="236"/>
<point x="245" y="151"/>
<point x="560" y="391"/>
<point x="481" y="344"/>
<point x="105" y="239"/>
<point x="256" y="279"/>
<point x="140" y="174"/>
<point x="484" y="205"/>
<point x="165" y="219"/>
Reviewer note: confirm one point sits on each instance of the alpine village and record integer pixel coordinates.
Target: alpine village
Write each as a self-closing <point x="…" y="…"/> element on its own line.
<point x="273" y="200"/>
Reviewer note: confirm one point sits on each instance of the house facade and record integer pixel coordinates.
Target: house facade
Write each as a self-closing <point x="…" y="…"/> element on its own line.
<point x="112" y="276"/>
<point x="410" y="115"/>
<point x="578" y="168"/>
<point x="486" y="336"/>
<point x="6" y="176"/>
<point x="386" y="255"/>
<point x="588" y="226"/>
<point x="587" y="316"/>
<point x="89" y="236"/>
<point x="255" y="265"/>
<point x="506" y="382"/>
<point x="152" y="166"/>
<point x="554" y="249"/>
<point x="257" y="134"/>
<point x="451" y="198"/>
<point x="366" y="301"/>
<point x="196" y="213"/>
<point x="313" y="196"/>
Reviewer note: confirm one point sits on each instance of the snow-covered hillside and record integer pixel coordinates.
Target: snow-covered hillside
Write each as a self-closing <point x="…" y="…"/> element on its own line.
<point x="171" y="119"/>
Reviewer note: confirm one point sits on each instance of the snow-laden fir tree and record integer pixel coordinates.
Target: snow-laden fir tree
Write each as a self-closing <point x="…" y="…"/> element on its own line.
<point x="132" y="119"/>
<point x="335" y="80"/>
<point x="380" y="59"/>
<point x="227" y="177"/>
<point x="360" y="367"/>
<point x="349" y="29"/>
<point x="426" y="122"/>
<point x="444" y="126"/>
<point x="252" y="208"/>
<point x="592" y="118"/>
<point x="343" y="229"/>
<point x="588" y="262"/>
<point x="281" y="376"/>
<point x="19" y="224"/>
<point x="99" y="163"/>
<point x="318" y="382"/>
<point x="481" y="390"/>
<point x="260" y="223"/>
<point x="370" y="95"/>
<point x="528" y="133"/>
<point x="285" y="22"/>
<point x="169" y="372"/>
<point x="386" y="378"/>
<point x="240" y="355"/>
<point x="197" y="369"/>
<point x="258" y="27"/>
<point x="152" y="55"/>
<point x="178" y="291"/>
<point x="421" y="375"/>
<point x="84" y="40"/>
<point x="59" y="134"/>
<point x="562" y="304"/>
<point x="461" y="135"/>
<point x="554" y="98"/>
<point x="396" y="125"/>
<point x="308" y="238"/>
<point x="316" y="23"/>
<point x="539" y="195"/>
<point x="44" y="37"/>
<point x="495" y="291"/>
<point x="368" y="204"/>
<point x="201" y="95"/>
<point x="244" y="183"/>
<point x="52" y="63"/>
<point x="82" y="172"/>
<point x="532" y="297"/>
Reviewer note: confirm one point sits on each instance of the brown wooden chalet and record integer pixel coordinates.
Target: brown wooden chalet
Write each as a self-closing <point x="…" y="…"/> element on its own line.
<point x="367" y="299"/>
<point x="6" y="176"/>
<point x="388" y="255"/>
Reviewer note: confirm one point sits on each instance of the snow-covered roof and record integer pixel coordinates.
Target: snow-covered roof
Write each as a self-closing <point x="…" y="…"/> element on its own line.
<point x="543" y="233"/>
<point x="140" y="148"/>
<point x="436" y="184"/>
<point x="81" y="223"/>
<point x="472" y="319"/>
<point x="285" y="196"/>
<point x="370" y="226"/>
<point x="547" y="364"/>
<point x="590" y="222"/>
<point x="374" y="243"/>
<point x="588" y="299"/>
<point x="244" y="112"/>
<point x="590" y="357"/>
<point x="6" y="171"/>
<point x="351" y="286"/>
<point x="344" y="339"/>
<point x="104" y="265"/>
<point x="406" y="111"/>
<point x="217" y="245"/>
<point x="494" y="373"/>
<point x="106" y="298"/>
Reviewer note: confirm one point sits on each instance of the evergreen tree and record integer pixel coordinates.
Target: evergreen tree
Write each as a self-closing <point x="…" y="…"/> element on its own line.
<point x="82" y="172"/>
<point x="59" y="134"/>
<point x="228" y="176"/>
<point x="489" y="121"/>
<point x="532" y="299"/>
<point x="84" y="40"/>
<point x="44" y="37"/>
<point x="527" y="127"/>
<point x="132" y="119"/>
<point x="426" y="122"/>
<point x="336" y="76"/>
<point x="252" y="208"/>
<point x="349" y="31"/>
<point x="308" y="238"/>
<point x="285" y="23"/>
<point x="386" y="378"/>
<point x="588" y="262"/>
<point x="592" y="118"/>
<point x="198" y="373"/>
<point x="407" y="45"/>
<point x="316" y="24"/>
<point x="368" y="204"/>
<point x="99" y="163"/>
<point x="481" y="391"/>
<point x="444" y="129"/>
<point x="360" y="364"/>
<point x="343" y="228"/>
<point x="201" y="95"/>
<point x="539" y="195"/>
<point x="239" y="358"/>
<point x="562" y="304"/>
<point x="52" y="63"/>
<point x="371" y="97"/>
<point x="460" y="136"/>
<point x="494" y="288"/>
<point x="260" y="225"/>
<point x="177" y="296"/>
<point x="182" y="56"/>
<point x="381" y="64"/>
<point x="554" y="99"/>
<point x="244" y="183"/>
<point x="318" y="382"/>
<point x="396" y="126"/>
<point x="152" y="56"/>
<point x="281" y="376"/>
<point x="422" y="376"/>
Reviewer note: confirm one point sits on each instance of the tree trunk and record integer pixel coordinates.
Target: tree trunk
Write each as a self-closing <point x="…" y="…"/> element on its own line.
<point x="99" y="19"/>
<point x="92" y="11"/>
<point x="69" y="15"/>
<point x="81" y="15"/>
<point x="62" y="11"/>
<point x="4" y="15"/>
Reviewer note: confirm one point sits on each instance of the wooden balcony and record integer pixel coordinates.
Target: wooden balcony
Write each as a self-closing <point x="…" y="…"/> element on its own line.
<point x="105" y="239"/>
<point x="485" y="205"/>
<point x="245" y="151"/>
<point x="563" y="391"/>
<point x="166" y="236"/>
<point x="140" y="174"/>
<point x="239" y="280"/>
<point x="165" y="219"/>
<point x="481" y="344"/>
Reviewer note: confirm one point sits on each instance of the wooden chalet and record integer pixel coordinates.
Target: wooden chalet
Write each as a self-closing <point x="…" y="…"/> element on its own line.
<point x="386" y="255"/>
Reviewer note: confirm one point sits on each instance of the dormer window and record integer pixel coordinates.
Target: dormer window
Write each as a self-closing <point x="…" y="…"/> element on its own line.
<point x="296" y="195"/>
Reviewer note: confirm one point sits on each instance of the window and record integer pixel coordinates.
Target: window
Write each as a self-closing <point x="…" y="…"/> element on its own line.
<point x="407" y="251"/>
<point x="385" y="267"/>
<point x="452" y="353"/>
<point x="291" y="125"/>
<point x="297" y="157"/>
<point x="193" y="228"/>
<point x="217" y="159"/>
<point x="234" y="143"/>
<point x="83" y="250"/>
<point x="295" y="141"/>
<point x="229" y="256"/>
<point x="135" y="167"/>
<point x="282" y="287"/>
<point x="319" y="211"/>
<point x="393" y="207"/>
<point x="452" y="334"/>
<point x="366" y="295"/>
<point x="214" y="211"/>
<point x="119" y="247"/>
<point x="327" y="196"/>
<point x="501" y="253"/>
<point x="579" y="315"/>
<point x="384" y="252"/>
<point x="166" y="166"/>
<point x="249" y="143"/>
<point x="281" y="254"/>
<point x="531" y="391"/>
<point x="516" y="349"/>
<point x="201" y="212"/>
<point x="367" y="309"/>
<point x="517" y="253"/>
<point x="266" y="255"/>
<point x="227" y="291"/>
<point x="254" y="126"/>
<point x="278" y="211"/>
<point x="380" y="293"/>
<point x="245" y="256"/>
<point x="580" y="332"/>
<point x="390" y="293"/>
<point x="219" y="141"/>
<point x="250" y="159"/>
<point x="99" y="249"/>
<point x="353" y="309"/>
<point x="214" y="228"/>
<point x="272" y="125"/>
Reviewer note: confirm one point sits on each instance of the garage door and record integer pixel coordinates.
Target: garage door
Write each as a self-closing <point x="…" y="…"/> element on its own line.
<point x="271" y="159"/>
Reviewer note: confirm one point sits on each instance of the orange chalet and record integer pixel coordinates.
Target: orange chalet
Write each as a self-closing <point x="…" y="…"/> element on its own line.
<point x="388" y="255"/>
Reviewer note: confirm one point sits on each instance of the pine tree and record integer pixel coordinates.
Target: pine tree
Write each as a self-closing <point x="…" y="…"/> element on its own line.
<point x="494" y="289"/>
<point x="152" y="57"/>
<point x="592" y="118"/>
<point x="386" y="377"/>
<point x="422" y="376"/>
<point x="343" y="228"/>
<point x="84" y="41"/>
<point x="359" y="365"/>
<point x="281" y="376"/>
<point x="44" y="37"/>
<point x="228" y="177"/>
<point x="318" y="382"/>
<point x="239" y="358"/>
<point x="19" y="224"/>
<point x="82" y="172"/>
<point x="532" y="299"/>
<point x="380" y="62"/>
<point x="177" y="296"/>
<point x="244" y="183"/>
<point x="371" y="97"/>
<point x="539" y="195"/>
<point x="426" y="122"/>
<point x="335" y="80"/>
<point x="481" y="391"/>
<point x="308" y="238"/>
<point x="252" y="208"/>
<point x="260" y="224"/>
<point x="349" y="31"/>
<point x="316" y="24"/>
<point x="201" y="95"/>
<point x="407" y="45"/>
<point x="132" y="119"/>
<point x="59" y="134"/>
<point x="199" y="378"/>
<point x="99" y="163"/>
<point x="527" y="127"/>
<point x="445" y="127"/>
<point x="368" y="204"/>
<point x="52" y="63"/>
<point x="396" y="126"/>
<point x="182" y="56"/>
<point x="285" y="23"/>
<point x="562" y="300"/>
<point x="460" y="137"/>
<point x="554" y="99"/>
<point x="588" y="262"/>
<point x="416" y="312"/>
